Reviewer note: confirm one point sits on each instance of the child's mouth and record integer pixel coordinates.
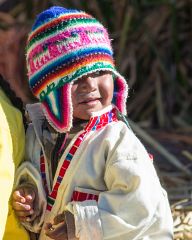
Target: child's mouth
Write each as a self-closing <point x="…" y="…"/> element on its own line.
<point x="90" y="101"/>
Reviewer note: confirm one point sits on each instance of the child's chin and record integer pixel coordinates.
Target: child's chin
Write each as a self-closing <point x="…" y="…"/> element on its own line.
<point x="82" y="115"/>
<point x="86" y="110"/>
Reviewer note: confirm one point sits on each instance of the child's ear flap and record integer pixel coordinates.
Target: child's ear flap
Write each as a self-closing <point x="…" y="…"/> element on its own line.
<point x="120" y="92"/>
<point x="58" y="108"/>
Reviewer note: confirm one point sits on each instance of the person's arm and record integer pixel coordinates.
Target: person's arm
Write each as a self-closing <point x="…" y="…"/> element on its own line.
<point x="28" y="174"/>
<point x="135" y="206"/>
<point x="24" y="203"/>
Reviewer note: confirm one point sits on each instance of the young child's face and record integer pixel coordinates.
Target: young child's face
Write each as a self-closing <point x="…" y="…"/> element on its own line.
<point x="92" y="93"/>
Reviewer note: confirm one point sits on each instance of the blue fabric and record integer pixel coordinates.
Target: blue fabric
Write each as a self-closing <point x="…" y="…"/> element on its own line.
<point x="116" y="90"/>
<point x="51" y="13"/>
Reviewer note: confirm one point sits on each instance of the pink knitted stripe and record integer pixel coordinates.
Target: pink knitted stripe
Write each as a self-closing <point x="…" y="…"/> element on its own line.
<point x="56" y="47"/>
<point x="122" y="94"/>
<point x="83" y="31"/>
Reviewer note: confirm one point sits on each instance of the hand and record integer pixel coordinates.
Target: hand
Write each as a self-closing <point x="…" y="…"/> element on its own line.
<point x="23" y="203"/>
<point x="57" y="230"/>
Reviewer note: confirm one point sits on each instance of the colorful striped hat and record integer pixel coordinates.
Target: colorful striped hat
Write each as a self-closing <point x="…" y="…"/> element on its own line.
<point x="63" y="46"/>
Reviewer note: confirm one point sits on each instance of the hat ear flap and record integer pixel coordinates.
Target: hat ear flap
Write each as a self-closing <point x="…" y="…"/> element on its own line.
<point x="58" y="108"/>
<point x="120" y="93"/>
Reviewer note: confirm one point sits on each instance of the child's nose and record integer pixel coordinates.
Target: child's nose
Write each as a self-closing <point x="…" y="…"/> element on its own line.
<point x="89" y="84"/>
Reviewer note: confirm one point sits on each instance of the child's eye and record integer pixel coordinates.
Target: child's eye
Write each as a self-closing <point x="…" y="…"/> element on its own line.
<point x="97" y="73"/>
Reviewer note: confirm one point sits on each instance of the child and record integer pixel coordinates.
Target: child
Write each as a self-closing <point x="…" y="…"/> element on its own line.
<point x="12" y="146"/>
<point x="94" y="178"/>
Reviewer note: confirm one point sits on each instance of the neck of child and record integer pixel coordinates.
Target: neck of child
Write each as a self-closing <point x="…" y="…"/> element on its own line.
<point x="77" y="121"/>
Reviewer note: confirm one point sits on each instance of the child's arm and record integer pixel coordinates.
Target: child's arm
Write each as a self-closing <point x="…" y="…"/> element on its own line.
<point x="134" y="207"/>
<point x="57" y="230"/>
<point x="63" y="227"/>
<point x="23" y="201"/>
<point x="27" y="175"/>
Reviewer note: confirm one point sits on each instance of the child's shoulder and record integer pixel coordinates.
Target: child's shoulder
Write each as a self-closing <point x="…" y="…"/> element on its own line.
<point x="120" y="132"/>
<point x="119" y="129"/>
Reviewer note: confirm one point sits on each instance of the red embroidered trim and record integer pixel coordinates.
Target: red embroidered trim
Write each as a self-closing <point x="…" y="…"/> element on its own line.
<point x="95" y="123"/>
<point x="81" y="196"/>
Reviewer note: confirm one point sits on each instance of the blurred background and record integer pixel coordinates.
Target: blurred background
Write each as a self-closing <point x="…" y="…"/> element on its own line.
<point x="152" y="41"/>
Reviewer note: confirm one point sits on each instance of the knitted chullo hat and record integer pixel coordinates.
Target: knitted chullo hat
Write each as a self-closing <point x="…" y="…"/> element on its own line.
<point x="65" y="45"/>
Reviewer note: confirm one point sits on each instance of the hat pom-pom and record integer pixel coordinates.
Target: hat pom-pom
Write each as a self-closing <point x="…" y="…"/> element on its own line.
<point x="50" y="14"/>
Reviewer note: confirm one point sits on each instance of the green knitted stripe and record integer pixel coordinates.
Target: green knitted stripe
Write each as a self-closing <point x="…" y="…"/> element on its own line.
<point x="60" y="26"/>
<point x="50" y="201"/>
<point x="77" y="74"/>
